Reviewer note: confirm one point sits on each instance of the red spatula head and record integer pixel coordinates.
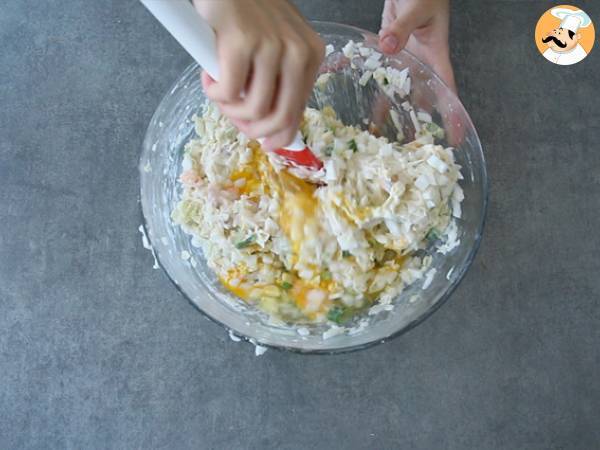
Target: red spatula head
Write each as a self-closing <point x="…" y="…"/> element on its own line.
<point x="304" y="157"/>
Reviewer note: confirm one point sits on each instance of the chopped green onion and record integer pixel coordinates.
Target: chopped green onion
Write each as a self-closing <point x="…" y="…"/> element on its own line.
<point x="352" y="145"/>
<point x="326" y="275"/>
<point x="286" y="286"/>
<point x="385" y="81"/>
<point x="389" y="255"/>
<point x="336" y="314"/>
<point x="432" y="235"/>
<point x="435" y="130"/>
<point x="346" y="254"/>
<point x="246" y="242"/>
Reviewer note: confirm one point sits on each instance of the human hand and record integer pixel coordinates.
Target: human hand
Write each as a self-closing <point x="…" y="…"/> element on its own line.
<point x="268" y="60"/>
<point x="420" y="26"/>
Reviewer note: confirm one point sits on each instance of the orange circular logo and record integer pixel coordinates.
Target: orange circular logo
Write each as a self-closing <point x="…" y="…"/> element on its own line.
<point x="564" y="35"/>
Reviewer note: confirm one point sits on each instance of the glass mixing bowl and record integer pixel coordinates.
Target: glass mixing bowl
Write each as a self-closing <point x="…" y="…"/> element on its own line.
<point x="160" y="165"/>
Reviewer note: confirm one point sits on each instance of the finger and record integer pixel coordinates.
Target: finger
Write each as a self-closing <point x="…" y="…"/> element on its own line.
<point x="241" y="125"/>
<point x="280" y="139"/>
<point x="259" y="97"/>
<point x="436" y="56"/>
<point x="290" y="99"/>
<point x="380" y="110"/>
<point x="453" y="117"/>
<point x="317" y="55"/>
<point x="336" y="62"/>
<point x="234" y="64"/>
<point x="443" y="67"/>
<point x="394" y="36"/>
<point x="284" y="137"/>
<point x="389" y="13"/>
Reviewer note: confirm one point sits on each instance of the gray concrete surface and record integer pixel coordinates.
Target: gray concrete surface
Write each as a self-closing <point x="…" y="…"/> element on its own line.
<point x="97" y="350"/>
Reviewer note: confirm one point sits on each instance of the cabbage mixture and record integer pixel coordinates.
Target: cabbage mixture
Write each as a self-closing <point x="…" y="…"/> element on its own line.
<point x="313" y="247"/>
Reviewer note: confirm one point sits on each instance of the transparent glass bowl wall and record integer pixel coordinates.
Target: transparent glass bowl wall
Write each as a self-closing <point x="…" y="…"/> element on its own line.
<point x="160" y="165"/>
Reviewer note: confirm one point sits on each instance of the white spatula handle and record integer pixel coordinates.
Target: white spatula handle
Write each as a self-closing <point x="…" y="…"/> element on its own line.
<point x="193" y="33"/>
<point x="196" y="36"/>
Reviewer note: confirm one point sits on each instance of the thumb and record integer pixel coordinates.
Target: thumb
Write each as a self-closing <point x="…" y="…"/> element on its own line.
<point x="394" y="34"/>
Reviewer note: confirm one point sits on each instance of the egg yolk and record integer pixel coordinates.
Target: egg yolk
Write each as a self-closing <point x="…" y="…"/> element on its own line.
<point x="298" y="207"/>
<point x="298" y="204"/>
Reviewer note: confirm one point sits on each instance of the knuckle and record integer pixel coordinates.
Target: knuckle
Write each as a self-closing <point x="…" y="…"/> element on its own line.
<point x="247" y="40"/>
<point x="272" y="47"/>
<point x="298" y="50"/>
<point x="241" y="41"/>
<point x="233" y="54"/>
<point x="259" y="108"/>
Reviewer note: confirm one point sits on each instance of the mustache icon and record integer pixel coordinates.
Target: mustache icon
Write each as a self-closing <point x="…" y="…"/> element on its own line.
<point x="555" y="40"/>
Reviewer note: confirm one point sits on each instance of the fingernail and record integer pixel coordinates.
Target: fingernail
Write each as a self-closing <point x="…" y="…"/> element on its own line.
<point x="390" y="42"/>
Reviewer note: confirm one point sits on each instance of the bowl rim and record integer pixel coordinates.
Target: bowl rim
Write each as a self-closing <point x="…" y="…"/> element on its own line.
<point x="356" y="347"/>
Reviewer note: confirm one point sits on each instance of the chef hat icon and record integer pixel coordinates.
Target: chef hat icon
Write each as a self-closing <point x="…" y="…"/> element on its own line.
<point x="570" y="19"/>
